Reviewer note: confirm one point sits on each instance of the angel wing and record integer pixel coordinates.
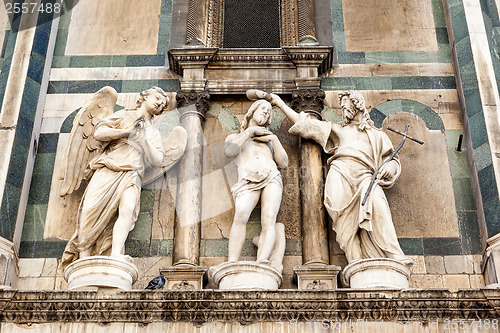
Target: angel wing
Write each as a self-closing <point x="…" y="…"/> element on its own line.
<point x="174" y="145"/>
<point x="82" y="146"/>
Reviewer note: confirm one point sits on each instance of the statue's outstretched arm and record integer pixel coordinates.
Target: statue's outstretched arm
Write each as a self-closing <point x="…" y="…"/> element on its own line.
<point x="276" y="100"/>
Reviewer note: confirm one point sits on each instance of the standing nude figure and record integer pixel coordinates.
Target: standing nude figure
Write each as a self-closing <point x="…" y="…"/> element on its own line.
<point x="258" y="154"/>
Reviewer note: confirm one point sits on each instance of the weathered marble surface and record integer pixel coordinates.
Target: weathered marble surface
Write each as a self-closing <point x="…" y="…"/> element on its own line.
<point x="389" y="25"/>
<point x="134" y="28"/>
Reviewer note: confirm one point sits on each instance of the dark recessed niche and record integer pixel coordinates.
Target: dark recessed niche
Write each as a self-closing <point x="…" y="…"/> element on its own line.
<point x="251" y="24"/>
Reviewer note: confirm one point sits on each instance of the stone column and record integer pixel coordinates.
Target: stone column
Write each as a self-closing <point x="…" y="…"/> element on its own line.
<point x="196" y="31"/>
<point x="192" y="106"/>
<point x="306" y="22"/>
<point x="316" y="272"/>
<point x="314" y="234"/>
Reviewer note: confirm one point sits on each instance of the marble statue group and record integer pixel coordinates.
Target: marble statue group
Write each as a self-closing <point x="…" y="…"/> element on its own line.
<point x="112" y="151"/>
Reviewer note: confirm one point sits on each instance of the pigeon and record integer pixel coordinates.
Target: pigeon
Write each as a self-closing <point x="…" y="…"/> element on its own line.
<point x="157" y="283"/>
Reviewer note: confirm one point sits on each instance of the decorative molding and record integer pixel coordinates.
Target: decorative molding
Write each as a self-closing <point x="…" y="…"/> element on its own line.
<point x="215" y="21"/>
<point x="273" y="70"/>
<point x="7" y="247"/>
<point x="189" y="58"/>
<point x="289" y="19"/>
<point x="320" y="57"/>
<point x="247" y="307"/>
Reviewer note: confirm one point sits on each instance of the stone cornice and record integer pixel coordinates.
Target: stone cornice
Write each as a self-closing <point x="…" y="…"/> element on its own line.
<point x="246" y="307"/>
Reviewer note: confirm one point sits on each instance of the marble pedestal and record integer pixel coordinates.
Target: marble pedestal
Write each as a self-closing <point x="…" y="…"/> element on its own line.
<point x="316" y="277"/>
<point x="243" y="275"/>
<point x="377" y="273"/>
<point x="183" y="277"/>
<point x="100" y="272"/>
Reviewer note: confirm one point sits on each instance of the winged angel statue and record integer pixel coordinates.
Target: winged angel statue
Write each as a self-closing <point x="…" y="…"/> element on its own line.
<point x="114" y="152"/>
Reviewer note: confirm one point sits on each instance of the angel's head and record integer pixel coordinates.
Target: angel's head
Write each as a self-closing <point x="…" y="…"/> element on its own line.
<point x="155" y="100"/>
<point x="260" y="111"/>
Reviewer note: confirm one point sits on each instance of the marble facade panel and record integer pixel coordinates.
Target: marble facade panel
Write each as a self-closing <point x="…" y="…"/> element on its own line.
<point x="389" y="25"/>
<point x="134" y="29"/>
<point x="423" y="210"/>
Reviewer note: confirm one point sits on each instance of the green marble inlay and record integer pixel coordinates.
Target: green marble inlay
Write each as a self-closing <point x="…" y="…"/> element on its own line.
<point x="143" y="227"/>
<point x="45" y="249"/>
<point x="147" y="200"/>
<point x="169" y="120"/>
<point x="442" y="246"/>
<point x="228" y="120"/>
<point x="136" y="86"/>
<point x="487" y="183"/>
<point x="161" y="247"/>
<point x="482" y="156"/>
<point x="469" y="231"/>
<point x="462" y="189"/>
<point x="411" y="246"/>
<point x="478" y="131"/>
<point x="455" y="7"/>
<point x="438" y="11"/>
<point x="388" y="83"/>
<point x="213" y="247"/>
<point x="9" y="210"/>
<point x="17" y="166"/>
<point x="473" y="103"/>
<point x="460" y="29"/>
<point x="457" y="160"/>
<point x="432" y="120"/>
<point x="34" y="223"/>
<point x="277" y="119"/>
<point x="329" y="114"/>
<point x="41" y="179"/>
<point x="253" y="229"/>
<point x="137" y="248"/>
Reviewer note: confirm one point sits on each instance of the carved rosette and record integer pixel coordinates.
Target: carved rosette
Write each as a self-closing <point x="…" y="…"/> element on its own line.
<point x="309" y="100"/>
<point x="201" y="99"/>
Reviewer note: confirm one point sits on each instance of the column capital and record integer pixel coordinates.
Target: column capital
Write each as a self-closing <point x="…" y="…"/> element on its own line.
<point x="199" y="99"/>
<point x="309" y="100"/>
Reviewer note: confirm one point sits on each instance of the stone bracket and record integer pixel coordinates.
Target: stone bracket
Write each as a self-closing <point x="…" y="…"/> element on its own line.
<point x="320" y="277"/>
<point x="183" y="278"/>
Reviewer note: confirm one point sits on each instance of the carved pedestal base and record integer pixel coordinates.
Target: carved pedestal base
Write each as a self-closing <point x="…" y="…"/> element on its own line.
<point x="377" y="273"/>
<point x="183" y="278"/>
<point x="243" y="275"/>
<point x="99" y="272"/>
<point x="317" y="277"/>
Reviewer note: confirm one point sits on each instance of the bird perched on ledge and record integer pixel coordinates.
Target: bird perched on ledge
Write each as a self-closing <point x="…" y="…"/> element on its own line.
<point x="157" y="283"/>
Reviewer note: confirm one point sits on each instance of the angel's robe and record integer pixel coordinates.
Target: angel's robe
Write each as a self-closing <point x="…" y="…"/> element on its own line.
<point x="367" y="231"/>
<point x="119" y="167"/>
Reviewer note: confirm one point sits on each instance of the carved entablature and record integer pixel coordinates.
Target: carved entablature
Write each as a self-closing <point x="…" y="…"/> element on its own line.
<point x="234" y="71"/>
<point x="246" y="307"/>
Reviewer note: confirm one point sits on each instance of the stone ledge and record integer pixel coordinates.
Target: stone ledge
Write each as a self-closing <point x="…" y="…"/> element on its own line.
<point x="420" y="305"/>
